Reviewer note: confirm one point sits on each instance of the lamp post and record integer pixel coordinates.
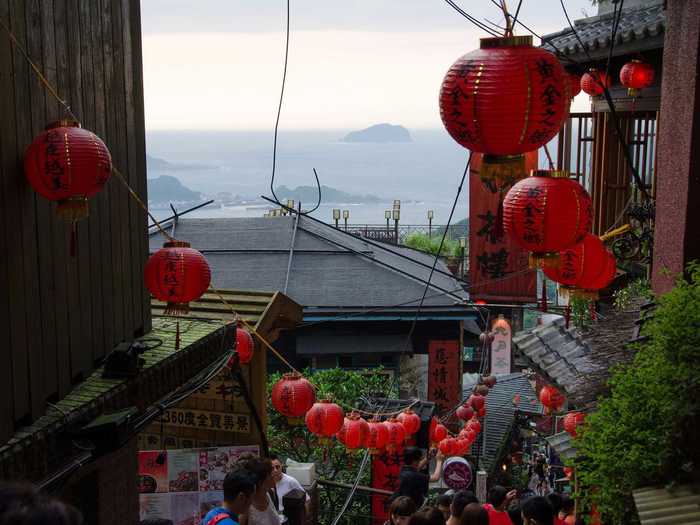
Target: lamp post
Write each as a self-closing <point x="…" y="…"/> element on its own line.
<point x="387" y="216"/>
<point x="290" y="205"/>
<point x="462" y="248"/>
<point x="430" y="224"/>
<point x="346" y="216"/>
<point x="336" y="216"/>
<point x="396" y="213"/>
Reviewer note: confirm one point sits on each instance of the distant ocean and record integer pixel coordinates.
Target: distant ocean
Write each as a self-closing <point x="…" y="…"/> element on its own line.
<point x="423" y="174"/>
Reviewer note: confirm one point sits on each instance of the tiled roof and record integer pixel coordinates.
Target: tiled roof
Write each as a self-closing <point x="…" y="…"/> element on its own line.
<point x="643" y="27"/>
<point x="677" y="506"/>
<point x="562" y="444"/>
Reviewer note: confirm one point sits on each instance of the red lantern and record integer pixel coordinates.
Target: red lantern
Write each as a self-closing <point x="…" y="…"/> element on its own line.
<point x="68" y="164"/>
<point x="463" y="447"/>
<point x="177" y="274"/>
<point x="377" y="437"/>
<point x="439" y="432"/>
<point x="482" y="390"/>
<point x="477" y="401"/>
<point x="469" y="434"/>
<point x="592" y="82"/>
<point x="353" y="434"/>
<point x="324" y="419"/>
<point x="397" y="434"/>
<point x="574" y="83"/>
<point x="572" y="420"/>
<point x="636" y="75"/>
<point x="474" y="425"/>
<point x="448" y="446"/>
<point x="505" y="99"/>
<point x="293" y="396"/>
<point x="551" y="398"/>
<point x="568" y="471"/>
<point x="481" y="412"/>
<point x="490" y="381"/>
<point x="244" y="346"/>
<point x="604" y="278"/>
<point x="465" y="412"/>
<point x="410" y="421"/>
<point x="547" y="213"/>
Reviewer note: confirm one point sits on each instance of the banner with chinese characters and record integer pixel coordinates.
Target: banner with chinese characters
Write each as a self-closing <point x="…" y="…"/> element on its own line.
<point x="500" y="348"/>
<point x="206" y="419"/>
<point x="498" y="267"/>
<point x="385" y="476"/>
<point x="183" y="485"/>
<point x="444" y="374"/>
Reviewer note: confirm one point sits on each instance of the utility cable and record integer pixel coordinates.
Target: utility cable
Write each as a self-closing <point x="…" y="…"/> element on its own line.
<point x="472" y="19"/>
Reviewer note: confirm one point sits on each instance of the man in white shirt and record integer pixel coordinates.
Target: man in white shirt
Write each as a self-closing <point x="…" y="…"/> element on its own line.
<point x="284" y="483"/>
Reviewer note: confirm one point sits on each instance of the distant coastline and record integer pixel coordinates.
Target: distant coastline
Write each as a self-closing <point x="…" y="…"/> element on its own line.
<point x="379" y="133"/>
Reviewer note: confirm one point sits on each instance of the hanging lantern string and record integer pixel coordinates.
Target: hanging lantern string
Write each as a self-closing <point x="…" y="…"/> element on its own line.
<point x="549" y="158"/>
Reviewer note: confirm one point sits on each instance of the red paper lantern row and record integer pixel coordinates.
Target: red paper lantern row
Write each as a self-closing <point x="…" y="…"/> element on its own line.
<point x="410" y="421"/>
<point x="503" y="100"/>
<point x="324" y="419"/>
<point x="572" y="421"/>
<point x="293" y="396"/>
<point x="477" y="402"/>
<point x="593" y="81"/>
<point x="474" y="425"/>
<point x="396" y="434"/>
<point x="353" y="434"/>
<point x="68" y="164"/>
<point x="377" y="437"/>
<point x="547" y="213"/>
<point x="449" y="446"/>
<point x="551" y="399"/>
<point x="245" y="346"/>
<point x="636" y="75"/>
<point x="465" y="412"/>
<point x="177" y="274"/>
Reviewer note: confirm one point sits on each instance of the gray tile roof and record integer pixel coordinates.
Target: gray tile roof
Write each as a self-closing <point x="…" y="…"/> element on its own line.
<point x="500" y="414"/>
<point x="329" y="267"/>
<point x="562" y="444"/>
<point x="643" y="28"/>
<point x="679" y="505"/>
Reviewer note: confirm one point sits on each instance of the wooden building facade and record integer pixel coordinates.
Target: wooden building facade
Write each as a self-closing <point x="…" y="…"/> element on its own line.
<point x="60" y="315"/>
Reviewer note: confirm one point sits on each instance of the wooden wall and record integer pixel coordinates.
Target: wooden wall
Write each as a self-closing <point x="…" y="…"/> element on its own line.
<point x="59" y="316"/>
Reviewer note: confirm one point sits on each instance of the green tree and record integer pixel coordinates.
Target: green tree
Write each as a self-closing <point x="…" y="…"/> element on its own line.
<point x="421" y="241"/>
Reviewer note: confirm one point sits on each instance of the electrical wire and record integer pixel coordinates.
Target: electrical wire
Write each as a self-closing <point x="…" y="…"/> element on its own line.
<point x="472" y="19"/>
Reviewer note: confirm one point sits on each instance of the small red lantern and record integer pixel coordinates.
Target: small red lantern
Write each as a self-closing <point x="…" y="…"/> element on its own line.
<point x="481" y="412"/>
<point x="505" y="99"/>
<point x="377" y="437"/>
<point x="324" y="419"/>
<point x="592" y="82"/>
<point x="482" y="390"/>
<point x="568" y="472"/>
<point x="477" y="401"/>
<point x="245" y="346"/>
<point x="177" y="274"/>
<point x="572" y="420"/>
<point x="397" y="434"/>
<point x="68" y="164"/>
<point x="465" y="412"/>
<point x="293" y="396"/>
<point x="410" y="421"/>
<point x="353" y="434"/>
<point x="463" y="447"/>
<point x="474" y="425"/>
<point x="551" y="398"/>
<point x="448" y="446"/>
<point x="547" y="213"/>
<point x="469" y="434"/>
<point x="439" y="432"/>
<point x="636" y="75"/>
<point x="574" y="83"/>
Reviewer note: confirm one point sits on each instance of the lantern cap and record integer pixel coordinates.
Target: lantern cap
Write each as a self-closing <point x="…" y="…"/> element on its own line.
<point x="63" y="123"/>
<point x="561" y="174"/>
<point x="506" y="41"/>
<point x="176" y="244"/>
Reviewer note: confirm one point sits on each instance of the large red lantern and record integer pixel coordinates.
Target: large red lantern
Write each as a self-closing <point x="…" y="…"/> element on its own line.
<point x="353" y="434"/>
<point x="177" y="274"/>
<point x="245" y="346"/>
<point x="465" y="412"/>
<point x="324" y="419"/>
<point x="547" y="213"/>
<point x="377" y="437"/>
<point x="410" y="421"/>
<point x="68" y="164"/>
<point x="593" y="81"/>
<point x="636" y="75"/>
<point x="503" y="100"/>
<point x="293" y="396"/>
<point x="572" y="421"/>
<point x="551" y="398"/>
<point x="396" y="436"/>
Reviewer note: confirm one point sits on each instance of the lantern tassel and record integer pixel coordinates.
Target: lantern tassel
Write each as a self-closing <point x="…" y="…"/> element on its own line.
<point x="177" y="309"/>
<point x="504" y="169"/>
<point x="544" y="295"/>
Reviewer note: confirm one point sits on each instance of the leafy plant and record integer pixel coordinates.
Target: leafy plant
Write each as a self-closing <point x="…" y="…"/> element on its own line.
<point x="580" y="311"/>
<point x="646" y="432"/>
<point x="635" y="289"/>
<point x="423" y="242"/>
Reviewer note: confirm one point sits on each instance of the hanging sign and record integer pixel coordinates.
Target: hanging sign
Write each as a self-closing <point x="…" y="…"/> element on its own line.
<point x="444" y="374"/>
<point x="385" y="476"/>
<point x="501" y="347"/>
<point x="205" y="419"/>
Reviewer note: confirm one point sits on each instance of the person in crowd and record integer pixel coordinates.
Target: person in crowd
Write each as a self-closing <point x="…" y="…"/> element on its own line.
<point x="284" y="483"/>
<point x="427" y="516"/>
<point x="498" y="500"/>
<point x="262" y="509"/>
<point x="460" y="500"/>
<point x="537" y="511"/>
<point x="156" y="521"/>
<point x="400" y="511"/>
<point x="23" y="504"/>
<point x="444" y="503"/>
<point x="239" y="487"/>
<point x="566" y="513"/>
<point x="515" y="513"/>
<point x="474" y="514"/>
<point x="413" y="478"/>
<point x="555" y="500"/>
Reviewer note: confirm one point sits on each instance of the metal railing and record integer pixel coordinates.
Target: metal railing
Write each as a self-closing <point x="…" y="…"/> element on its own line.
<point x="384" y="233"/>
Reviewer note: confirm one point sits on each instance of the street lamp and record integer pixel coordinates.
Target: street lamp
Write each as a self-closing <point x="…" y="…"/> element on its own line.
<point x="346" y="216"/>
<point x="387" y="216"/>
<point x="430" y="223"/>
<point x="462" y="247"/>
<point x="336" y="216"/>
<point x="290" y="205"/>
<point x="397" y="215"/>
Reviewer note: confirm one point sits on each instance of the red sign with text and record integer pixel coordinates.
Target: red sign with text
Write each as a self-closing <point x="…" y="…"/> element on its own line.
<point x="385" y="476"/>
<point x="444" y="374"/>
<point x="498" y="268"/>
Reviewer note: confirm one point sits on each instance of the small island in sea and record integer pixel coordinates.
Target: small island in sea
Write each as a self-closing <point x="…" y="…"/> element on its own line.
<point x="379" y="133"/>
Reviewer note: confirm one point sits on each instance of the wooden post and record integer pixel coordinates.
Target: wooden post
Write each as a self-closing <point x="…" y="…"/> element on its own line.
<point x="295" y="507"/>
<point x="481" y="485"/>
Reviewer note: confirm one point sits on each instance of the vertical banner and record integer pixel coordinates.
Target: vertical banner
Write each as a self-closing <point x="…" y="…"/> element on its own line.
<point x="497" y="266"/>
<point x="500" y="347"/>
<point x="385" y="476"/>
<point x="444" y="374"/>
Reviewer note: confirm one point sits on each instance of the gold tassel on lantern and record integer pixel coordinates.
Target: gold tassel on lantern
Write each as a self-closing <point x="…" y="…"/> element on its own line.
<point x="506" y="170"/>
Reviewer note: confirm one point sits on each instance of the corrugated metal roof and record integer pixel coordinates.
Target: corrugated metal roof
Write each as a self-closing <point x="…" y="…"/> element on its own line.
<point x="661" y="506"/>
<point x="562" y="444"/>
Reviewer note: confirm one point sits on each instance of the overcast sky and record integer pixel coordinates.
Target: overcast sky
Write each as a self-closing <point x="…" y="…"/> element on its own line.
<point x="217" y="64"/>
